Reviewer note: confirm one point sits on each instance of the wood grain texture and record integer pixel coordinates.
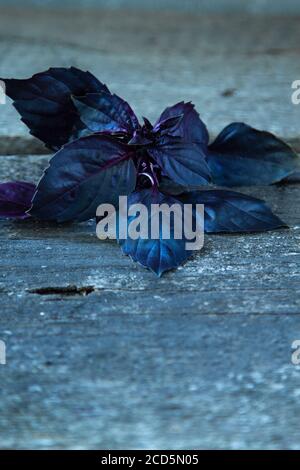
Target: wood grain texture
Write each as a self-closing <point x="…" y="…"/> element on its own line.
<point x="101" y="354"/>
<point x="232" y="274"/>
<point x="229" y="6"/>
<point x="200" y="358"/>
<point x="234" y="67"/>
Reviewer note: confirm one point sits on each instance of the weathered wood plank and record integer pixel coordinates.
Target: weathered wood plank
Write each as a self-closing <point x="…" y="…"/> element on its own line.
<point x="156" y="60"/>
<point x="200" y="358"/>
<point x="203" y="6"/>
<point x="255" y="273"/>
<point x="168" y="381"/>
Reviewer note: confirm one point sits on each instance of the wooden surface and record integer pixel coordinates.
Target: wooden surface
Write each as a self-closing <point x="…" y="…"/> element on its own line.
<point x="232" y="67"/>
<point x="200" y="6"/>
<point x="100" y="352"/>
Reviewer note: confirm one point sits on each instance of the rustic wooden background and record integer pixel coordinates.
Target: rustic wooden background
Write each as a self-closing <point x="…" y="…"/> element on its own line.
<point x="100" y="352"/>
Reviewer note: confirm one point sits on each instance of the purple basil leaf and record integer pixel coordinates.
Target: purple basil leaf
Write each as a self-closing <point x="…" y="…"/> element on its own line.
<point x="169" y="125"/>
<point x="83" y="174"/>
<point x="182" y="162"/>
<point x="229" y="211"/>
<point x="160" y="254"/>
<point x="45" y="105"/>
<point x="103" y="112"/>
<point x="147" y="124"/>
<point x="15" y="199"/>
<point x="140" y="139"/>
<point x="168" y="186"/>
<point x="190" y="127"/>
<point x="242" y="155"/>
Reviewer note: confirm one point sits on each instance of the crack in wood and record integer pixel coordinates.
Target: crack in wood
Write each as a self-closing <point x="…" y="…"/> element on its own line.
<point x="63" y="290"/>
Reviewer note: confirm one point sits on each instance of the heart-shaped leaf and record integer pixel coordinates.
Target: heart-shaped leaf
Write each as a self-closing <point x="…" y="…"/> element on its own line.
<point x="189" y="127"/>
<point x="45" y="105"/>
<point x="83" y="174"/>
<point x="182" y="162"/>
<point x="242" y="156"/>
<point x="103" y="112"/>
<point x="229" y="211"/>
<point x="158" y="254"/>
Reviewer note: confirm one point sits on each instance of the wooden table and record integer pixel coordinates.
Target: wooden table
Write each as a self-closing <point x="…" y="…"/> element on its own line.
<point x="100" y="352"/>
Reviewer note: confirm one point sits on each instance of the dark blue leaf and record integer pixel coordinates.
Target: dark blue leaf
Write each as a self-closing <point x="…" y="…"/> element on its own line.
<point x="168" y="186"/>
<point x="189" y="127"/>
<point x="242" y="156"/>
<point x="159" y="254"/>
<point x="170" y="125"/>
<point x="83" y="174"/>
<point x="45" y="105"/>
<point x="229" y="211"/>
<point x="103" y="112"/>
<point x="147" y="124"/>
<point x="182" y="162"/>
<point x="15" y="199"/>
